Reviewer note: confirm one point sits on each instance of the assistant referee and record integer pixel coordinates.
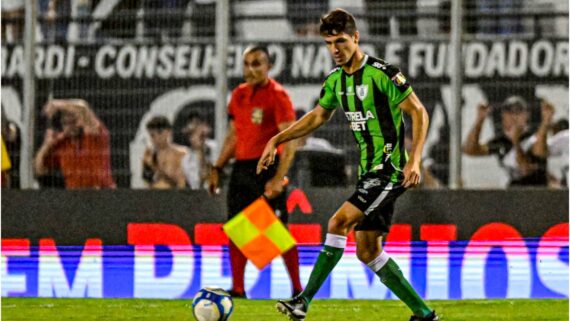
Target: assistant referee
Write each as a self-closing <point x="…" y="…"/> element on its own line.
<point x="259" y="109"/>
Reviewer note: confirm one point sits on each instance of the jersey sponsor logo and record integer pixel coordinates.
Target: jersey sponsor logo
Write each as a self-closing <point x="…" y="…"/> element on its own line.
<point x="362" y="91"/>
<point x="349" y="91"/>
<point x="399" y="79"/>
<point x="379" y="65"/>
<point x="388" y="148"/>
<point x="257" y="115"/>
<point x="358" y="119"/>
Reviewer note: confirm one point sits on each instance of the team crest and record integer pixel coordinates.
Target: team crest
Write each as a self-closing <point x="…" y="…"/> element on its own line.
<point x="257" y="116"/>
<point x="362" y="91"/>
<point x="399" y="79"/>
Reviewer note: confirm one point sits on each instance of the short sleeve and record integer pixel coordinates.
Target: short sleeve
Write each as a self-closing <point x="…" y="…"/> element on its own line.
<point x="327" y="98"/>
<point x="284" y="112"/>
<point x="395" y="85"/>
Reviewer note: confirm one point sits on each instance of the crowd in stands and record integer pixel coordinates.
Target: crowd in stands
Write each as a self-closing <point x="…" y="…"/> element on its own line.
<point x="166" y="20"/>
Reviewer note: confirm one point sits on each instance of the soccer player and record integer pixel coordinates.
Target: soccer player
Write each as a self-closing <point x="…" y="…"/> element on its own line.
<point x="259" y="108"/>
<point x="372" y="94"/>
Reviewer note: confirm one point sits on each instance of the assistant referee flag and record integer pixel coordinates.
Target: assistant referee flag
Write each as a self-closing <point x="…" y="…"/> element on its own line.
<point x="259" y="234"/>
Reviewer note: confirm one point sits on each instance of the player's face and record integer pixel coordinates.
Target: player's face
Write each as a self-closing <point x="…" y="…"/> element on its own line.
<point x="342" y="47"/>
<point x="256" y="67"/>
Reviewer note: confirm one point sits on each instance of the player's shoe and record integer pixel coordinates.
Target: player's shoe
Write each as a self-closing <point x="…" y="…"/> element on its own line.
<point x="432" y="317"/>
<point x="296" y="308"/>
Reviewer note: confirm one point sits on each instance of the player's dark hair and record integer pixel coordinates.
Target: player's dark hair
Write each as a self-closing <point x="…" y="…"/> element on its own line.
<point x="158" y="123"/>
<point x="258" y="47"/>
<point x="336" y="22"/>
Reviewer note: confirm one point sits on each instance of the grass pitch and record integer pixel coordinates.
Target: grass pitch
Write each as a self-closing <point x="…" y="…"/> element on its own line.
<point x="32" y="309"/>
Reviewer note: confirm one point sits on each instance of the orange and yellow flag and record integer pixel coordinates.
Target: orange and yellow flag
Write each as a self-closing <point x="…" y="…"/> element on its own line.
<point x="259" y="234"/>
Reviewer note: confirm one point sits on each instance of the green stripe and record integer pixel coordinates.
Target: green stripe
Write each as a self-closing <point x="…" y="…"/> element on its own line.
<point x="371" y="124"/>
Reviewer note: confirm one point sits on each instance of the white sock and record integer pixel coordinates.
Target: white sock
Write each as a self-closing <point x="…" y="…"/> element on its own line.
<point x="379" y="262"/>
<point x="337" y="241"/>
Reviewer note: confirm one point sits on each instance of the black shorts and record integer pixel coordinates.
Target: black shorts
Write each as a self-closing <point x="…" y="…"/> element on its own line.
<point x="246" y="186"/>
<point x="375" y="196"/>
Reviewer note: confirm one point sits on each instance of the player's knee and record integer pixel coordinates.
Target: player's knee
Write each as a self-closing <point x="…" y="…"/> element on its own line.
<point x="367" y="255"/>
<point x="339" y="223"/>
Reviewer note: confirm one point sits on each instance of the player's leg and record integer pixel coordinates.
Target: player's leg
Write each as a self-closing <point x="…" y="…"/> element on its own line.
<point x="339" y="225"/>
<point x="291" y="257"/>
<point x="369" y="250"/>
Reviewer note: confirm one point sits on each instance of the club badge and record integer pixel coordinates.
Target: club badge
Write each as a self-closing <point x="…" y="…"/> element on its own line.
<point x="257" y="116"/>
<point x="362" y="91"/>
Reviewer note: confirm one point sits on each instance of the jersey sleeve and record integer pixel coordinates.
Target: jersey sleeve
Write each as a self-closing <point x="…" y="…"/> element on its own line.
<point x="284" y="111"/>
<point x="327" y="98"/>
<point x="395" y="85"/>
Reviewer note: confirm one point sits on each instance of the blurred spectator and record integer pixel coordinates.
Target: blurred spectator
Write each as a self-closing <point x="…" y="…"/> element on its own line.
<point x="404" y="16"/>
<point x="520" y="152"/>
<point x="12" y="20"/>
<point x="163" y="19"/>
<point x="558" y="154"/>
<point x="55" y="17"/>
<point x="317" y="162"/>
<point x="428" y="181"/>
<point x="11" y="140"/>
<point x="77" y="143"/>
<point x="305" y="15"/>
<point x="197" y="162"/>
<point x="121" y="23"/>
<point x="498" y="17"/>
<point x="162" y="162"/>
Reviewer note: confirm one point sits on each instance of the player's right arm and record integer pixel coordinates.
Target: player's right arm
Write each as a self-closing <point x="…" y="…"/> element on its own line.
<point x="471" y="145"/>
<point x="307" y="124"/>
<point x="228" y="150"/>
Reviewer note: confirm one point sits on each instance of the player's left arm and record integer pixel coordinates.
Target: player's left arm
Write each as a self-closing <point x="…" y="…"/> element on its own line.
<point x="420" y="122"/>
<point x="275" y="186"/>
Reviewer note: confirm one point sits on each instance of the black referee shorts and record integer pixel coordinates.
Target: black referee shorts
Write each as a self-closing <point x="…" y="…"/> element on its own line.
<point x="246" y="186"/>
<point x="375" y="196"/>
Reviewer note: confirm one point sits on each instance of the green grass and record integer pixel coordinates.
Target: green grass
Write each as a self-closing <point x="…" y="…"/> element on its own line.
<point x="263" y="310"/>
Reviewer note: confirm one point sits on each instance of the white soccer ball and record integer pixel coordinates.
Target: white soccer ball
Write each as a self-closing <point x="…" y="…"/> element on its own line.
<point x="212" y="304"/>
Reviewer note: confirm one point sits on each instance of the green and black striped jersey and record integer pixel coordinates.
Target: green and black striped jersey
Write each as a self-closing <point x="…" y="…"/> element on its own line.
<point x="370" y="98"/>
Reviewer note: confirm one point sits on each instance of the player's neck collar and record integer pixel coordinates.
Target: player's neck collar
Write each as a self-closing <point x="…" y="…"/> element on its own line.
<point x="362" y="64"/>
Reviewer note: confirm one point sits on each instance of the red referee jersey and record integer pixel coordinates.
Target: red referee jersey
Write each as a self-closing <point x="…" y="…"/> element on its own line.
<point x="257" y="113"/>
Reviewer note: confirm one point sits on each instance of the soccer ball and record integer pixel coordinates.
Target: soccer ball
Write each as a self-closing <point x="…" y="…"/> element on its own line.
<point x="212" y="304"/>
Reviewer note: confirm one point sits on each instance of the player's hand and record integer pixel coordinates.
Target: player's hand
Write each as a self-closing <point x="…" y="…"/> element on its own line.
<point x="267" y="157"/>
<point x="412" y="174"/>
<point x="214" y="181"/>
